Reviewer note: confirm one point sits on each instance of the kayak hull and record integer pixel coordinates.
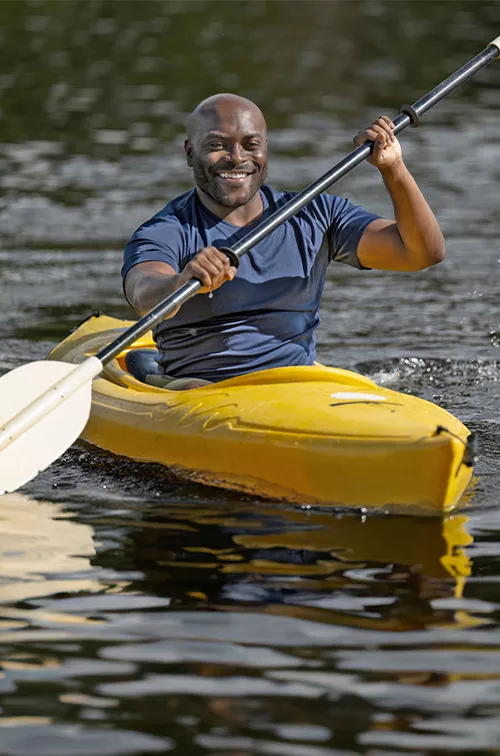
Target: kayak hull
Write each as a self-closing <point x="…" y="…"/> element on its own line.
<point x="309" y="435"/>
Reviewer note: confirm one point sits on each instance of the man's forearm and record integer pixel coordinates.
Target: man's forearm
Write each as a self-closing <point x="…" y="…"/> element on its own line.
<point x="149" y="290"/>
<point x="417" y="224"/>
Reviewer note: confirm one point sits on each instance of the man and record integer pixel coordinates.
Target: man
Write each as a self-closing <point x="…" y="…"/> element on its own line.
<point x="267" y="313"/>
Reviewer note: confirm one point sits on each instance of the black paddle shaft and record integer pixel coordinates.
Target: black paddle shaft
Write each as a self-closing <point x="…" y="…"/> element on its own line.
<point x="409" y="116"/>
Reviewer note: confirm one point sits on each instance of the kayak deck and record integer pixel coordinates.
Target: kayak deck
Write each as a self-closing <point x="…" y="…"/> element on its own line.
<point x="309" y="435"/>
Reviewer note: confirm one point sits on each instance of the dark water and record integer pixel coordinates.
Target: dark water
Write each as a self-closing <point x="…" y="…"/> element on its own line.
<point x="141" y="615"/>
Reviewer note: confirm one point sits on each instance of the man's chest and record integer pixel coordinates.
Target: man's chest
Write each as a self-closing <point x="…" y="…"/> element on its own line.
<point x="296" y="249"/>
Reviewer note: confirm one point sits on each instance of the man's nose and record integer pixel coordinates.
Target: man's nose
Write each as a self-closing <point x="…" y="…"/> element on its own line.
<point x="236" y="152"/>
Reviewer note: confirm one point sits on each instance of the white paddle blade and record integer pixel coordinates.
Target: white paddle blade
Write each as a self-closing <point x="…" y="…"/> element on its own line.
<point x="44" y="406"/>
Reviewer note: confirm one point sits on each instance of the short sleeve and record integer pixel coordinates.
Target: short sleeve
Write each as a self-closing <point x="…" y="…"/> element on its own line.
<point x="349" y="222"/>
<point x="158" y="240"/>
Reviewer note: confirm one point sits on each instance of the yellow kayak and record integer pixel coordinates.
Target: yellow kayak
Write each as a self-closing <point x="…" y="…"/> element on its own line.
<point x="309" y="435"/>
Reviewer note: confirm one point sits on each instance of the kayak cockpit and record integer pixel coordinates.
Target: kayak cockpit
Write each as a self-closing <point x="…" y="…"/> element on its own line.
<point x="141" y="362"/>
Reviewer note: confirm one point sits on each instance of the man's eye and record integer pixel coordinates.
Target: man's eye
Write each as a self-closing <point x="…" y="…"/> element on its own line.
<point x="253" y="145"/>
<point x="214" y="146"/>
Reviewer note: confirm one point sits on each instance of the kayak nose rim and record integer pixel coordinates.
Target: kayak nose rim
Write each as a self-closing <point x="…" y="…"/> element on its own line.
<point x="470" y="453"/>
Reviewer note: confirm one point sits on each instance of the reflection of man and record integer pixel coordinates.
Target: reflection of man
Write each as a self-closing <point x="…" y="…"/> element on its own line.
<point x="268" y="315"/>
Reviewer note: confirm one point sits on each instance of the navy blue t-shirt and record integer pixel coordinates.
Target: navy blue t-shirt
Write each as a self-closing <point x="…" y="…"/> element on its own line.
<point x="267" y="315"/>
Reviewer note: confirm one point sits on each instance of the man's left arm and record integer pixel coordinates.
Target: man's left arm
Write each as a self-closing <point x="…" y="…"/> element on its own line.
<point x="414" y="240"/>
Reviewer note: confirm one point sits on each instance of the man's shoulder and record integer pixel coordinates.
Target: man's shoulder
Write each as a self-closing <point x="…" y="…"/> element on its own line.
<point x="171" y="219"/>
<point x="180" y="209"/>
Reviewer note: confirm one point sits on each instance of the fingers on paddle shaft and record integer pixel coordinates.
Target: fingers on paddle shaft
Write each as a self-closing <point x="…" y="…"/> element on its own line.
<point x="45" y="436"/>
<point x="211" y="267"/>
<point x="385" y="148"/>
<point x="380" y="132"/>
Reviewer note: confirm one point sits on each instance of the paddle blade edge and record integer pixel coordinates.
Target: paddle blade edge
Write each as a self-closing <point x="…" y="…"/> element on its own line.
<point x="59" y="395"/>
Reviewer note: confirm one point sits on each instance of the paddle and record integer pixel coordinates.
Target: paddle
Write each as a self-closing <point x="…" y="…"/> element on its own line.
<point x="45" y="405"/>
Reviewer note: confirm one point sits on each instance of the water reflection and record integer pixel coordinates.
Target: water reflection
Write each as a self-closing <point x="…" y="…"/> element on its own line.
<point x="229" y="617"/>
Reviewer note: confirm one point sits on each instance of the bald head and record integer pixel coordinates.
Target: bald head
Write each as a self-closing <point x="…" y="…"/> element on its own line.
<point x="226" y="146"/>
<point x="218" y="109"/>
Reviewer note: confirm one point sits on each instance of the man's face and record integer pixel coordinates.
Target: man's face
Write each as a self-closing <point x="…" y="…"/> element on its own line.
<point x="228" y="155"/>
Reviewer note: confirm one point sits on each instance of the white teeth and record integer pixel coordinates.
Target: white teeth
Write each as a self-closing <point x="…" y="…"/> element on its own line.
<point x="233" y="175"/>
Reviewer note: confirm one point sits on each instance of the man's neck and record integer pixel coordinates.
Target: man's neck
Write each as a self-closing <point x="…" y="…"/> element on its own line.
<point x="238" y="216"/>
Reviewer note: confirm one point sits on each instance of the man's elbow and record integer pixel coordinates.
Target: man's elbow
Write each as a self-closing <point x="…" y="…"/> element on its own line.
<point x="432" y="255"/>
<point x="135" y="300"/>
<point x="438" y="252"/>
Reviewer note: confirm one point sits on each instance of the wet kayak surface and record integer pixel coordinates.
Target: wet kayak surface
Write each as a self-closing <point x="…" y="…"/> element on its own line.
<point x="142" y="614"/>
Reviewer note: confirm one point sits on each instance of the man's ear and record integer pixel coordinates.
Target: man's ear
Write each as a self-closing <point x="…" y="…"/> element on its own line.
<point x="188" y="148"/>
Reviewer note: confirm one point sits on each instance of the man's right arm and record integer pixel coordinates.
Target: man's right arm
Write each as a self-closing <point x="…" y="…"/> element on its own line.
<point x="148" y="283"/>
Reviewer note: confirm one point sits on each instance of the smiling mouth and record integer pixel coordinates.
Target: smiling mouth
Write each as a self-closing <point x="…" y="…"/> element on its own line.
<point x="233" y="175"/>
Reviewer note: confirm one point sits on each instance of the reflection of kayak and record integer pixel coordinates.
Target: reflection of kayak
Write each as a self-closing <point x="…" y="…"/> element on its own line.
<point x="279" y="540"/>
<point x="373" y="573"/>
<point x="420" y="566"/>
<point x="432" y="547"/>
<point x="312" y="435"/>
